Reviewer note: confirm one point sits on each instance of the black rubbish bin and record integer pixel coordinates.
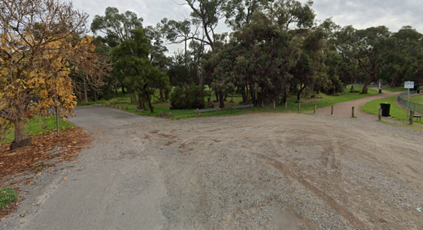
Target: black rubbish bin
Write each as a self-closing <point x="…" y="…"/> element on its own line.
<point x="385" y="109"/>
<point x="380" y="90"/>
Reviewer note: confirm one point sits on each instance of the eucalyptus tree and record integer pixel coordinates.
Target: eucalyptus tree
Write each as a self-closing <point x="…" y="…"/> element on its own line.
<point x="131" y="59"/>
<point x="367" y="47"/>
<point x="404" y="56"/>
<point x="207" y="14"/>
<point x="115" y="27"/>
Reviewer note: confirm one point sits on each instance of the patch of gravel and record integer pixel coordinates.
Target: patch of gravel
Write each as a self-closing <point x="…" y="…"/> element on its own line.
<point x="252" y="171"/>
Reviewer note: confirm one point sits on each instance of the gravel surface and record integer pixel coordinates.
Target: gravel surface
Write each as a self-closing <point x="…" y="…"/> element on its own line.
<point x="257" y="171"/>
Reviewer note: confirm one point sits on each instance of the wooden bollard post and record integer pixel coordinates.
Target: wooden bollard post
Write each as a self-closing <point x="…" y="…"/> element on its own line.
<point x="353" y="112"/>
<point x="331" y="110"/>
<point x="411" y="116"/>
<point x="315" y="107"/>
<point x="197" y="112"/>
<point x="380" y="114"/>
<point x="299" y="107"/>
<point x="286" y="105"/>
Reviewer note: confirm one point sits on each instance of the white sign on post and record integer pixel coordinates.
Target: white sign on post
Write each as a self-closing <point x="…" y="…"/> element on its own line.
<point x="409" y="84"/>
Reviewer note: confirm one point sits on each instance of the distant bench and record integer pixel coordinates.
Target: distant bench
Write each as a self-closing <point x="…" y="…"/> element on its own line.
<point x="198" y="111"/>
<point x="250" y="106"/>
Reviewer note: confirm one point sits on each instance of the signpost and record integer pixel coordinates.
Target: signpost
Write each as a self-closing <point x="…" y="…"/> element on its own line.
<point x="408" y="85"/>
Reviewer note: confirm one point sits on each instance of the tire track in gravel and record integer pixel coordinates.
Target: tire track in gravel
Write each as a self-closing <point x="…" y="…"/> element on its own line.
<point x="329" y="164"/>
<point x="288" y="169"/>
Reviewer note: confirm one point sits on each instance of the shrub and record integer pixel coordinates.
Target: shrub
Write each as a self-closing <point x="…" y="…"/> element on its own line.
<point x="7" y="196"/>
<point x="187" y="97"/>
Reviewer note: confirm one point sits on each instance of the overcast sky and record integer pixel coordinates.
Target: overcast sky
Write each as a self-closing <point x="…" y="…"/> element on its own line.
<point x="359" y="13"/>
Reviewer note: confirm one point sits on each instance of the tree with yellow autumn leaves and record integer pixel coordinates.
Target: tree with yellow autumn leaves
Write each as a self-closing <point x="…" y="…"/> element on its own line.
<point x="41" y="42"/>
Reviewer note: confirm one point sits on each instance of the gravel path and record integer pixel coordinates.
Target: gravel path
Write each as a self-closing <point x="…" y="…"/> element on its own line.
<point x="256" y="171"/>
<point x="344" y="109"/>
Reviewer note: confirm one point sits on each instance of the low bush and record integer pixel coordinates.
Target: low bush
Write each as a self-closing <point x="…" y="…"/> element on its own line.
<point x="187" y="97"/>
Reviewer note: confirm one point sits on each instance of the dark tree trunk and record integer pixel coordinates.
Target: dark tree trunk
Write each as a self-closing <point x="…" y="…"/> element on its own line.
<point x="123" y="89"/>
<point x="140" y="101"/>
<point x="217" y="94"/>
<point x="244" y="96"/>
<point x="134" y="95"/>
<point x="149" y="104"/>
<point x="226" y="95"/>
<point x="284" y="97"/>
<point x="221" y="102"/>
<point x="253" y="95"/>
<point x="85" y="91"/>
<point x="299" y="93"/>
<point x="366" y="86"/>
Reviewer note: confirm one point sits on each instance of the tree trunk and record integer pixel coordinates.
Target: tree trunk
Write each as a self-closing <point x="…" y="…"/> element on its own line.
<point x="244" y="96"/>
<point x="217" y="95"/>
<point x="253" y="95"/>
<point x="123" y="89"/>
<point x="161" y="95"/>
<point x="85" y="91"/>
<point x="140" y="101"/>
<point x="226" y="95"/>
<point x="221" y="99"/>
<point x="299" y="93"/>
<point x="149" y="103"/>
<point x="134" y="95"/>
<point x="21" y="138"/>
<point x="365" y="87"/>
<point x="285" y="96"/>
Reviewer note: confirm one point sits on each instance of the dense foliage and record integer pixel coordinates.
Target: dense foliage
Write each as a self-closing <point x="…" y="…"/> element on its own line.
<point x="187" y="97"/>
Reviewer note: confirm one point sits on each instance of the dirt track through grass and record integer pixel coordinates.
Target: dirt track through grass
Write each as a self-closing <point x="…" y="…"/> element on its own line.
<point x="327" y="172"/>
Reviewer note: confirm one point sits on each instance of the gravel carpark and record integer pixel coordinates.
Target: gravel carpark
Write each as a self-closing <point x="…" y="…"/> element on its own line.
<point x="256" y="171"/>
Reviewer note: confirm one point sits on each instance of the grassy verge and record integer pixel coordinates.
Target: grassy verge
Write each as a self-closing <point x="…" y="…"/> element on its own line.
<point x="7" y="196"/>
<point x="397" y="89"/>
<point x="307" y="104"/>
<point x="34" y="127"/>
<point x="417" y="99"/>
<point x="396" y="112"/>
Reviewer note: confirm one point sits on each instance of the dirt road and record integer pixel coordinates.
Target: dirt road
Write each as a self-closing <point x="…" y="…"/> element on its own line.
<point x="251" y="170"/>
<point x="344" y="109"/>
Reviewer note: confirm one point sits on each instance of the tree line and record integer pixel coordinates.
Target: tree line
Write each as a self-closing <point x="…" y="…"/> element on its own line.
<point x="274" y="49"/>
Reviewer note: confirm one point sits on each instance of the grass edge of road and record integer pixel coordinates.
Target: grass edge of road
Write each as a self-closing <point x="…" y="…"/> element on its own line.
<point x="320" y="100"/>
<point x="397" y="113"/>
<point x="34" y="128"/>
<point x="7" y="196"/>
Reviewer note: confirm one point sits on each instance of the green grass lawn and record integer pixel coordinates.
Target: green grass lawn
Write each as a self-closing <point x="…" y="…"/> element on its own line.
<point x="396" y="112"/>
<point x="307" y="104"/>
<point x="33" y="127"/>
<point x="397" y="89"/>
<point x="7" y="196"/>
<point x="417" y="99"/>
